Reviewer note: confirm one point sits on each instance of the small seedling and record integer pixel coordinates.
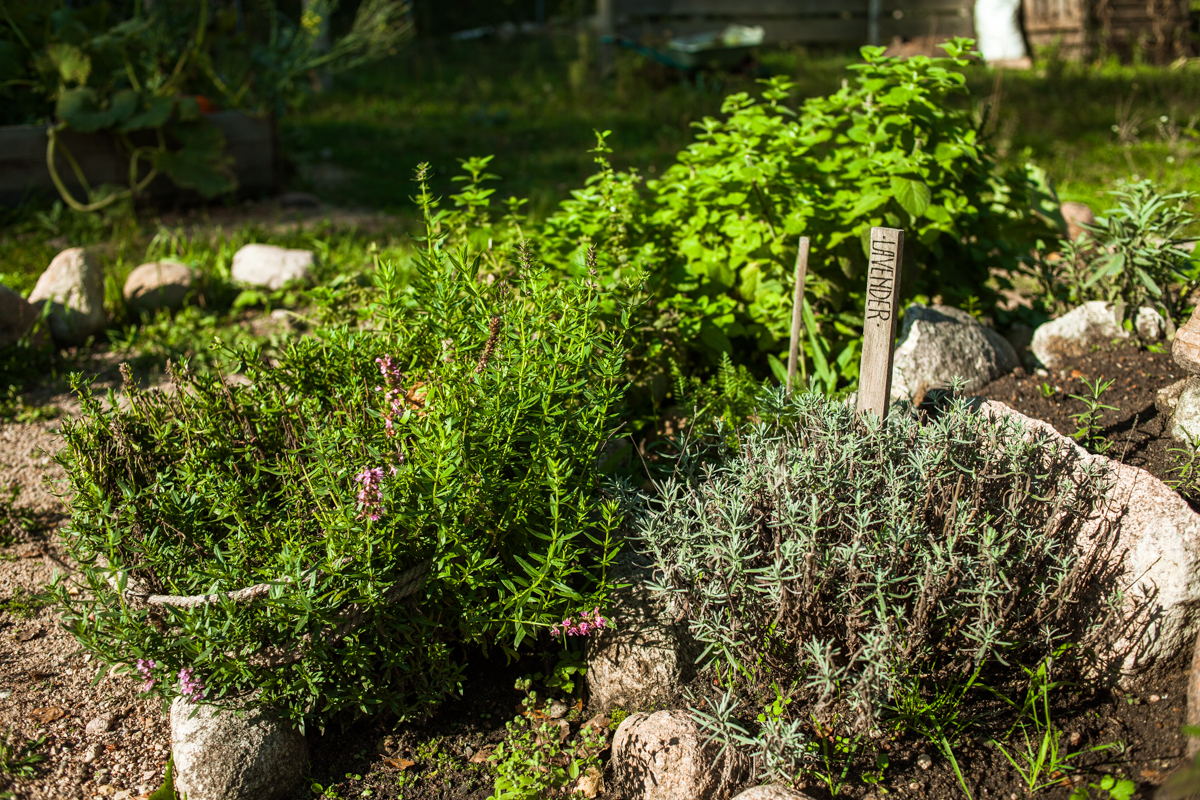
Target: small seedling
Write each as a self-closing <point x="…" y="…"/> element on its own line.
<point x="18" y="759"/>
<point x="1047" y="391"/>
<point x="1115" y="788"/>
<point x="1090" y="421"/>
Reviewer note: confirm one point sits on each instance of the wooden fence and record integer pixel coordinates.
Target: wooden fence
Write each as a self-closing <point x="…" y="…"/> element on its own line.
<point x="1161" y="29"/>
<point x="845" y="22"/>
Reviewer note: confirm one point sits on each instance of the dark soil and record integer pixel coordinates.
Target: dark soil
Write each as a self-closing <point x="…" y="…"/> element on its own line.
<point x="1134" y="429"/>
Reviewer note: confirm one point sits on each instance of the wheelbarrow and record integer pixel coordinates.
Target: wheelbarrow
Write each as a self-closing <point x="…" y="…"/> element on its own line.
<point x="722" y="49"/>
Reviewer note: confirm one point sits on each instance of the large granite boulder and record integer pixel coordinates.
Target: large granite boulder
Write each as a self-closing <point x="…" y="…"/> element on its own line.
<point x="221" y="754"/>
<point x="771" y="792"/>
<point x="73" y="284"/>
<point x="158" y="284"/>
<point x="667" y="756"/>
<point x="644" y="655"/>
<point x="939" y="344"/>
<point x="269" y="267"/>
<point x="1146" y="538"/>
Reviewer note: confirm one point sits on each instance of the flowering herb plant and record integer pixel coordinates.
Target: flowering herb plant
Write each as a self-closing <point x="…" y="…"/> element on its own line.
<point x="334" y="533"/>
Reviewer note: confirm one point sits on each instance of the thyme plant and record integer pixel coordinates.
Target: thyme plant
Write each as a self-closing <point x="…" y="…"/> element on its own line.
<point x="336" y="533"/>
<point x="871" y="569"/>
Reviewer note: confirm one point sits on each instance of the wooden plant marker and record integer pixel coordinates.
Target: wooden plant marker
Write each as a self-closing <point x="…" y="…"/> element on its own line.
<point x="797" y="312"/>
<point x="879" y="325"/>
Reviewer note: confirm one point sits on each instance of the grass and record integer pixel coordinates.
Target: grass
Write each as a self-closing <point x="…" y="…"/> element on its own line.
<point x="528" y="102"/>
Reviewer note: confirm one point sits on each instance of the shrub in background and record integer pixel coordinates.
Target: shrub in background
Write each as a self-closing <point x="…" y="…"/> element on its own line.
<point x="716" y="235"/>
<point x="870" y="574"/>
<point x="1133" y="257"/>
<point x="453" y="433"/>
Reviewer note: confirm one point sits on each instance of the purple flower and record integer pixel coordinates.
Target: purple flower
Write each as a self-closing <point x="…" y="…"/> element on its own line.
<point x="190" y="685"/>
<point x="370" y="492"/>
<point x="144" y="667"/>
<point x="589" y="622"/>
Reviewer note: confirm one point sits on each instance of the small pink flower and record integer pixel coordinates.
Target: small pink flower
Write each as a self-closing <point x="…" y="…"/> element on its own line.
<point x="589" y="622"/>
<point x="190" y="685"/>
<point x="370" y="493"/>
<point x="144" y="667"/>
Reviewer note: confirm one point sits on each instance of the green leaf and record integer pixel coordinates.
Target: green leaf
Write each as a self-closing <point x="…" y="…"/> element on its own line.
<point x="201" y="163"/>
<point x="913" y="196"/>
<point x="71" y="63"/>
<point x="156" y="114"/>
<point x="167" y="790"/>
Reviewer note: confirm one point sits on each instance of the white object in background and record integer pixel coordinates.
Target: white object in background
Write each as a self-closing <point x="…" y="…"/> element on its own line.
<point x="999" y="30"/>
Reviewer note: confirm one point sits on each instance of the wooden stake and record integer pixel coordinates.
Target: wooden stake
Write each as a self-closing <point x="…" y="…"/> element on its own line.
<point x="797" y="311"/>
<point x="879" y="326"/>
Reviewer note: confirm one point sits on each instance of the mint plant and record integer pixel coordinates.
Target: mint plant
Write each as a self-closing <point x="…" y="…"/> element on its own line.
<point x="716" y="234"/>
<point x="378" y="501"/>
<point x="880" y="570"/>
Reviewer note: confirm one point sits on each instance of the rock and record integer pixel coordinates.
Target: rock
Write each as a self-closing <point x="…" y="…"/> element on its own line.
<point x="643" y="655"/>
<point x="1167" y="397"/>
<point x="17" y="316"/>
<point x="1074" y="333"/>
<point x="771" y="792"/>
<point x="270" y="267"/>
<point x="1186" y="349"/>
<point x="558" y="710"/>
<point x="924" y="761"/>
<point x="73" y="284"/>
<point x="939" y="344"/>
<point x="1149" y="324"/>
<point x="663" y="756"/>
<point x="1185" y="417"/>
<point x="299" y="200"/>
<point x="1152" y="554"/>
<point x="100" y="725"/>
<point x="158" y="284"/>
<point x="1077" y="215"/>
<point x="92" y="752"/>
<point x="221" y="755"/>
<point x="590" y="783"/>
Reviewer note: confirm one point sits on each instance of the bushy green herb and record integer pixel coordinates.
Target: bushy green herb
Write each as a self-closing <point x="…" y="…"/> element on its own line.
<point x="874" y="567"/>
<point x="453" y="433"/>
<point x="717" y="233"/>
<point x="1133" y="257"/>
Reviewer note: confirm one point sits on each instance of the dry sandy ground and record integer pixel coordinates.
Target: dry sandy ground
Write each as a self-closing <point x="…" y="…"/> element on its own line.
<point x="100" y="741"/>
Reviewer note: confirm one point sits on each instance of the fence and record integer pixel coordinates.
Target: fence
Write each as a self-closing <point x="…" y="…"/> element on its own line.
<point x="834" y="22"/>
<point x="1160" y="29"/>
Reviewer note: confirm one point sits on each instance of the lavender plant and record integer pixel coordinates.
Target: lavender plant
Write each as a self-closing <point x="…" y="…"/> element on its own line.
<point x="876" y="570"/>
<point x="336" y="532"/>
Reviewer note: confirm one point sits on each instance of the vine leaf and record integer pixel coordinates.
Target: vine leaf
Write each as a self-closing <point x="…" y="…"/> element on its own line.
<point x="913" y="196"/>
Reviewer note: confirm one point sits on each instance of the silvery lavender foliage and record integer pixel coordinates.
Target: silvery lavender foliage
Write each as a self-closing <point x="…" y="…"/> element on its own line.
<point x="835" y="558"/>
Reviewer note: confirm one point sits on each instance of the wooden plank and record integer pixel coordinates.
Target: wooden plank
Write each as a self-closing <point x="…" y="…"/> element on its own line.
<point x="941" y="26"/>
<point x="816" y="31"/>
<point x="797" y="312"/>
<point x="879" y="324"/>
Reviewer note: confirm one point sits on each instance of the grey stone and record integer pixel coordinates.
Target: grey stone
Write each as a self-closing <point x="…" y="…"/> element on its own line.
<point x="643" y="655"/>
<point x="772" y="792"/>
<point x="270" y="267"/>
<point x="73" y="284"/>
<point x="666" y="756"/>
<point x="158" y="284"/>
<point x="1073" y="334"/>
<point x="1185" y="418"/>
<point x="1149" y="324"/>
<point x="17" y="316"/>
<point x="939" y="344"/>
<point x="100" y="725"/>
<point x="1148" y="539"/>
<point x="1167" y="397"/>
<point x="221" y="755"/>
<point x="1186" y="347"/>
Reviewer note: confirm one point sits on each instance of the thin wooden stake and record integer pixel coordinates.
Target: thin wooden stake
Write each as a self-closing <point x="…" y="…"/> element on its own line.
<point x="879" y="325"/>
<point x="797" y="312"/>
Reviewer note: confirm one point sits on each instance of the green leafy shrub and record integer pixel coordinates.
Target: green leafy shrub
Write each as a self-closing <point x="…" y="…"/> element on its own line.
<point x="871" y="573"/>
<point x="1133" y="257"/>
<point x="716" y="235"/>
<point x="396" y="490"/>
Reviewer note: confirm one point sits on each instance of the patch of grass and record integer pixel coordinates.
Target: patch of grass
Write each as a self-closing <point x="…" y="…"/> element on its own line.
<point x="18" y="757"/>
<point x="24" y="604"/>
